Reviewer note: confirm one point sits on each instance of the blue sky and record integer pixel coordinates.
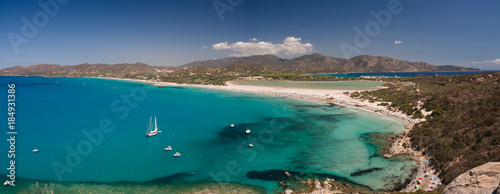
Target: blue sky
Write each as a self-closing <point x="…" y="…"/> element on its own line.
<point x="172" y="32"/>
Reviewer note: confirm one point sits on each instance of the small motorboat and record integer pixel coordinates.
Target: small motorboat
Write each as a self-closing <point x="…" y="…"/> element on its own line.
<point x="232" y="125"/>
<point x="35" y="150"/>
<point x="177" y="154"/>
<point x="250" y="145"/>
<point x="168" y="148"/>
<point x="247" y="131"/>
<point x="6" y="183"/>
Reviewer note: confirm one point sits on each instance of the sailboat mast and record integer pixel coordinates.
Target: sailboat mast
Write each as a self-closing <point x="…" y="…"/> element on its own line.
<point x="156" y="128"/>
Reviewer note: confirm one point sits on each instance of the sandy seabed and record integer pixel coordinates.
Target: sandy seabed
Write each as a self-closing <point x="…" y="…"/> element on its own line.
<point x="337" y="97"/>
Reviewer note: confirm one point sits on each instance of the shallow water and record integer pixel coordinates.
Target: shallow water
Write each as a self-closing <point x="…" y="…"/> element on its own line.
<point x="407" y="74"/>
<point x="62" y="117"/>
<point x="336" y="85"/>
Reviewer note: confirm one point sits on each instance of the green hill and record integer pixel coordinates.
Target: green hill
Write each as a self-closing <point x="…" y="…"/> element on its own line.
<point x="463" y="130"/>
<point x="318" y="63"/>
<point x="248" y="68"/>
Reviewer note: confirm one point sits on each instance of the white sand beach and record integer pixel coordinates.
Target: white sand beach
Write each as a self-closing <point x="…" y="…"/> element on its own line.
<point x="334" y="96"/>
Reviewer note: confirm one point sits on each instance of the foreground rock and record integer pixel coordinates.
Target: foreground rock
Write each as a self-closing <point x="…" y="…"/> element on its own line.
<point x="482" y="179"/>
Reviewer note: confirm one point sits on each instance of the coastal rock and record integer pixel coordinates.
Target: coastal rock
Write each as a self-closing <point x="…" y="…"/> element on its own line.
<point x="309" y="182"/>
<point x="326" y="184"/>
<point x="481" y="179"/>
<point x="317" y="184"/>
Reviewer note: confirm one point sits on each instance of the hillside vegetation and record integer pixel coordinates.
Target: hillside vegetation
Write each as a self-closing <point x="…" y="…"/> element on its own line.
<point x="463" y="130"/>
<point x="318" y="63"/>
<point x="218" y="71"/>
<point x="248" y="68"/>
<point x="81" y="70"/>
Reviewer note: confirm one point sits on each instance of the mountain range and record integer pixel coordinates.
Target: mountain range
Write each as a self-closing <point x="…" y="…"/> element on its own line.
<point x="314" y="63"/>
<point x="79" y="70"/>
<point x="318" y="63"/>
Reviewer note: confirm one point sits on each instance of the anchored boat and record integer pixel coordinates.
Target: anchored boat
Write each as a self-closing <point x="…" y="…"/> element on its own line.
<point x="150" y="131"/>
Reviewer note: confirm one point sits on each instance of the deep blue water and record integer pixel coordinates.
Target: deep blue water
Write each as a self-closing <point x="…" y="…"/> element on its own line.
<point x="408" y="74"/>
<point x="93" y="130"/>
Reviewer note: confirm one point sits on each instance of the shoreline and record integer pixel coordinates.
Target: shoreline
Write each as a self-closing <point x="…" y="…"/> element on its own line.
<point x="335" y="97"/>
<point x="426" y="178"/>
<point x="330" y="96"/>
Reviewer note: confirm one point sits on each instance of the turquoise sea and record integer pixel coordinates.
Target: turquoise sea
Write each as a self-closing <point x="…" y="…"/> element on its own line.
<point x="94" y="130"/>
<point x="337" y="85"/>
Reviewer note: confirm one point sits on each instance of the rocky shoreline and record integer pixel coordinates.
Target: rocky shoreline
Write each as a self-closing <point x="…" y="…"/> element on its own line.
<point x="400" y="145"/>
<point x="426" y="178"/>
<point x="316" y="186"/>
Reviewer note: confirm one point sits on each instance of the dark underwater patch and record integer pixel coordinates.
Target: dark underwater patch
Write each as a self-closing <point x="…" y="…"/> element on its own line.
<point x="177" y="177"/>
<point x="237" y="132"/>
<point x="366" y="171"/>
<point x="279" y="175"/>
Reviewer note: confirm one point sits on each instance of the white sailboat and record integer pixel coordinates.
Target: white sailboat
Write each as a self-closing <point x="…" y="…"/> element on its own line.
<point x="168" y="148"/>
<point x="247" y="131"/>
<point x="150" y="131"/>
<point x="177" y="154"/>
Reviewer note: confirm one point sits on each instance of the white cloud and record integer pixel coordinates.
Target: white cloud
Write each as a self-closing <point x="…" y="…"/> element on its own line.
<point x="204" y="47"/>
<point x="398" y="42"/>
<point x="221" y="46"/>
<point x="254" y="39"/>
<point x="496" y="61"/>
<point x="290" y="46"/>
